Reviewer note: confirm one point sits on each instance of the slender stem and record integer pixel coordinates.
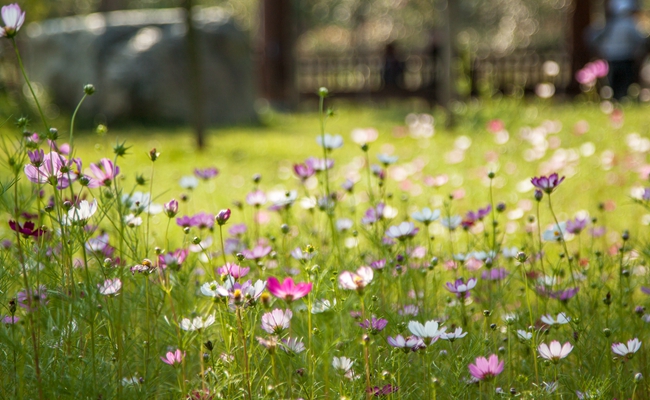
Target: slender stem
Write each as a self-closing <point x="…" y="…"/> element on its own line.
<point x="74" y="116"/>
<point x="22" y="69"/>
<point x="240" y="325"/>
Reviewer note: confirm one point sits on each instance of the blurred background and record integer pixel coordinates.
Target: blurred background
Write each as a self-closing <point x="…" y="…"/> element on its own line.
<point x="215" y="62"/>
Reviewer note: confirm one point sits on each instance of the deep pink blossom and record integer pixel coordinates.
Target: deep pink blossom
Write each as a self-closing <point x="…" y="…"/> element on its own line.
<point x="288" y="290"/>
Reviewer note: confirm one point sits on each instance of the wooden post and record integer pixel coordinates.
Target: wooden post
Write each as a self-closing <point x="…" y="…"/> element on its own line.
<point x="447" y="83"/>
<point x="194" y="92"/>
<point x="579" y="12"/>
<point x="110" y="5"/>
<point x="275" y="53"/>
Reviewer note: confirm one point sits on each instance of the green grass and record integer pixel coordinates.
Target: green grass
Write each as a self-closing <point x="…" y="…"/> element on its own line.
<point x="284" y="139"/>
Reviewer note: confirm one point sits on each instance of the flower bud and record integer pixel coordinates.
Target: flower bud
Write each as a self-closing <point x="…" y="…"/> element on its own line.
<point x="153" y="154"/>
<point x="491" y="175"/>
<point x="521" y="257"/>
<point x="171" y="208"/>
<point x="196" y="240"/>
<point x="538" y="195"/>
<point x="223" y="216"/>
<point x="53" y="134"/>
<point x="323" y="92"/>
<point x="638" y="377"/>
<point x="89" y="89"/>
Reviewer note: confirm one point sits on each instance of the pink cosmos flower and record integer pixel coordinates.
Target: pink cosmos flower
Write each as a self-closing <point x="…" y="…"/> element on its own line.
<point x="547" y="184"/>
<point x="13" y="18"/>
<point x="223" y="216"/>
<point x="105" y="172"/>
<point x="55" y="169"/>
<point x="486" y="369"/>
<point x="555" y="351"/>
<point x="171" y="208"/>
<point x="256" y="198"/>
<point x="356" y="281"/>
<point x="206" y="173"/>
<point x="173" y="259"/>
<point x="173" y="358"/>
<point x="412" y="343"/>
<point x="288" y="290"/>
<point x="257" y="252"/>
<point x="303" y="171"/>
<point x="461" y="288"/>
<point x="233" y="270"/>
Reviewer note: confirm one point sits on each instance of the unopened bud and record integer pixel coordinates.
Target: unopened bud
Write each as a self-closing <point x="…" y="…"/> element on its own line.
<point x="89" y="89"/>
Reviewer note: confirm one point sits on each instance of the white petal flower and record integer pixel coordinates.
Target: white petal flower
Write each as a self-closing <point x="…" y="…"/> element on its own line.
<point x="343" y="364"/>
<point x="628" y="351"/>
<point x="110" y="286"/>
<point x="428" y="330"/>
<point x="81" y="214"/>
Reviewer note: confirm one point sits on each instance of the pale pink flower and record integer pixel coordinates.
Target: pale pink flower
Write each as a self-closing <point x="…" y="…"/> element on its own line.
<point x="485" y="369"/>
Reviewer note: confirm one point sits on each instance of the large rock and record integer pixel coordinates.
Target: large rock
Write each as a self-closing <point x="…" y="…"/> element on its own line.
<point x="138" y="62"/>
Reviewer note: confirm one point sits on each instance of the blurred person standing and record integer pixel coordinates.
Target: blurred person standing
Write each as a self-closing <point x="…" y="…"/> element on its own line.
<point x="621" y="44"/>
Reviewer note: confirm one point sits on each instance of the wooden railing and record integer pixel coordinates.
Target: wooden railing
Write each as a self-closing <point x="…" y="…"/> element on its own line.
<point x="357" y="74"/>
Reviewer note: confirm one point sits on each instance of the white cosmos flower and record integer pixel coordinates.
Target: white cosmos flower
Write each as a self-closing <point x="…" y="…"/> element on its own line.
<point x="189" y="182"/>
<point x="451" y="336"/>
<point x="523" y="335"/>
<point x="427" y="331"/>
<point x="426" y="215"/>
<point x="330" y="142"/>
<point x="213" y="289"/>
<point x="322" y="305"/>
<point x="555" y="233"/>
<point x="196" y="323"/>
<point x="80" y="215"/>
<point x="110" y="286"/>
<point x="555" y="351"/>
<point x="132" y="220"/>
<point x="626" y="351"/>
<point x="141" y="202"/>
<point x="560" y="320"/>
<point x="343" y="364"/>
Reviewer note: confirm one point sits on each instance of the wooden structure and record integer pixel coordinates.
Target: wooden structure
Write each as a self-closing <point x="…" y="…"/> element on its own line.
<point x="359" y="76"/>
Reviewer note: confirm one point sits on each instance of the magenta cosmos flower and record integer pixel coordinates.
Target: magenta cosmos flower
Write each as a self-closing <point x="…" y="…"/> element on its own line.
<point x="13" y="18"/>
<point x="547" y="184"/>
<point x="288" y="290"/>
<point x="486" y="369"/>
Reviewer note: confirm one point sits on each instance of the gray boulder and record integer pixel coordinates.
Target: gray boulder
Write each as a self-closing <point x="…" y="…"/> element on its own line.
<point x="138" y="62"/>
